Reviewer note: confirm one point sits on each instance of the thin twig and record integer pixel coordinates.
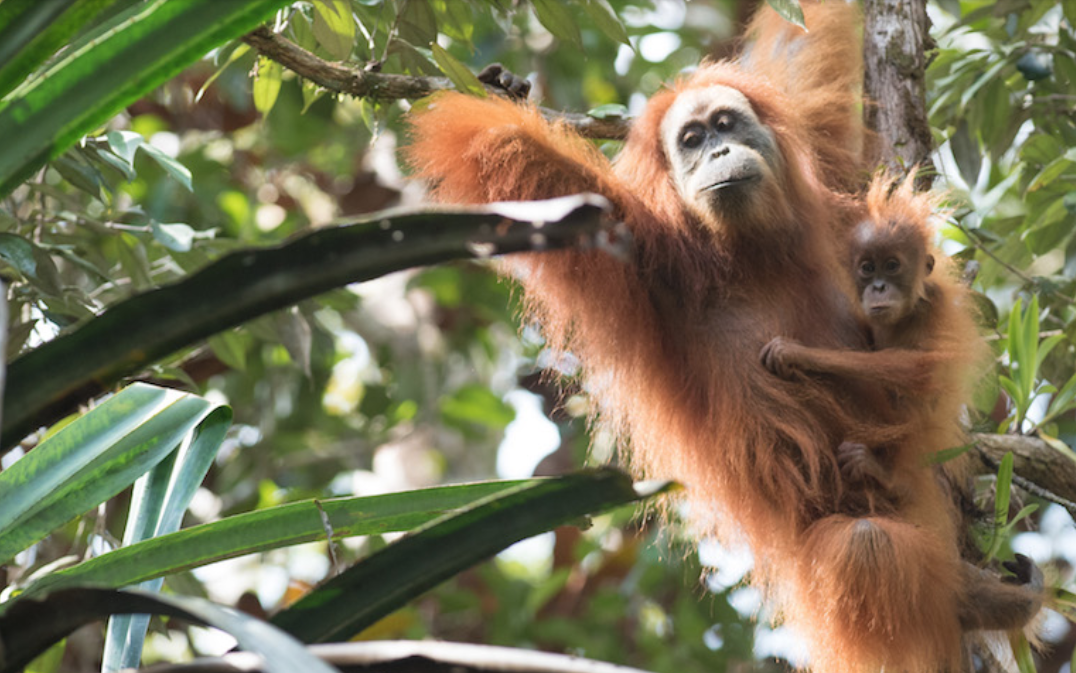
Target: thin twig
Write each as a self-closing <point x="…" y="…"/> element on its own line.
<point x="977" y="241"/>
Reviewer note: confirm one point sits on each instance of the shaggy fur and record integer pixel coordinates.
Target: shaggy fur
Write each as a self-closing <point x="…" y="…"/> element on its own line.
<point x="669" y="342"/>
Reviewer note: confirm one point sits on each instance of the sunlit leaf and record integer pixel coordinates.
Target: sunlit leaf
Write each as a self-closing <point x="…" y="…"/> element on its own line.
<point x="177" y="237"/>
<point x="267" y="84"/>
<point x="458" y="22"/>
<point x="790" y="10"/>
<point x="608" y="111"/>
<point x="124" y="144"/>
<point x="266" y="529"/>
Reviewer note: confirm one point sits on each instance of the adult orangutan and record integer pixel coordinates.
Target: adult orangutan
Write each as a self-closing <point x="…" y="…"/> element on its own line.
<point x="731" y="184"/>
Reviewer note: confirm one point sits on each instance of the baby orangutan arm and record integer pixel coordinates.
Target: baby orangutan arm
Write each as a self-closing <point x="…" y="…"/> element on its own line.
<point x="901" y="369"/>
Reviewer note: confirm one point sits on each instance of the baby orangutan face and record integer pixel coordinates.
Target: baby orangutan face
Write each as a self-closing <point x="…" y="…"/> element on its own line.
<point x="890" y="268"/>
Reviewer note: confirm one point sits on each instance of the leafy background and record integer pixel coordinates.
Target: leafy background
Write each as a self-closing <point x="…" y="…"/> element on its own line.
<point x="424" y="377"/>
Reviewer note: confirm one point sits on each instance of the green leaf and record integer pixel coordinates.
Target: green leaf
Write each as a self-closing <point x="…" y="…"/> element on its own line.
<point x="50" y="661"/>
<point x="73" y="167"/>
<point x="267" y="84"/>
<point x="604" y="17"/>
<point x="609" y="111"/>
<point x="114" y="64"/>
<point x="32" y="30"/>
<point x="1049" y="173"/>
<point x="102" y="154"/>
<point x="1064" y="400"/>
<point x="417" y="22"/>
<point x="124" y="144"/>
<point x="385" y="581"/>
<point x="984" y="79"/>
<point x="92" y="459"/>
<point x="176" y="170"/>
<point x="31" y="626"/>
<point x="177" y="237"/>
<point x="559" y="20"/>
<point x="312" y="93"/>
<point x="158" y="502"/>
<point x="30" y="261"/>
<point x="985" y="206"/>
<point x="334" y="27"/>
<point x="237" y="53"/>
<point x="1029" y="341"/>
<point x="457" y="22"/>
<point x="969" y="158"/>
<point x="476" y="404"/>
<point x="295" y="334"/>
<point x="1047" y="345"/>
<point x="790" y="10"/>
<point x="459" y="74"/>
<point x="231" y="348"/>
<point x="415" y="60"/>
<point x="1068" y="7"/>
<point x="945" y="455"/>
<point x="1002" y="494"/>
<point x="1057" y="445"/>
<point x="267" y="529"/>
<point x="995" y="112"/>
<point x="1021" y="650"/>
<point x="1050" y="230"/>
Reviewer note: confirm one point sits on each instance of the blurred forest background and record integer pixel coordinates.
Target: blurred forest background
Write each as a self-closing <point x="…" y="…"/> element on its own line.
<point x="424" y="377"/>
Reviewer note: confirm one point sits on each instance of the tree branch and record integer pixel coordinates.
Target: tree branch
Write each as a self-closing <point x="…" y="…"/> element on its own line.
<point x="1044" y="471"/>
<point x="387" y="86"/>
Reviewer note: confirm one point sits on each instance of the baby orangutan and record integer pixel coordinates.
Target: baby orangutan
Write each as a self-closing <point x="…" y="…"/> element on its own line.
<point x="920" y="329"/>
<point x="906" y="312"/>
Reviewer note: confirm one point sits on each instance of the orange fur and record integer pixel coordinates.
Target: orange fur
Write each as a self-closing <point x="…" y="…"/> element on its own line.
<point x="669" y="342"/>
<point x="910" y="556"/>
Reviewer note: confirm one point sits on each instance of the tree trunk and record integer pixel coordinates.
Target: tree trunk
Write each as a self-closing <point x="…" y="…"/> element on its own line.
<point x="896" y="41"/>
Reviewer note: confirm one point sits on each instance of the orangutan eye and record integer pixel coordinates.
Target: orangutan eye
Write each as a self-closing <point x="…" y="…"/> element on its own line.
<point x="866" y="268"/>
<point x="692" y="137"/>
<point x="892" y="266"/>
<point x="724" y="122"/>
